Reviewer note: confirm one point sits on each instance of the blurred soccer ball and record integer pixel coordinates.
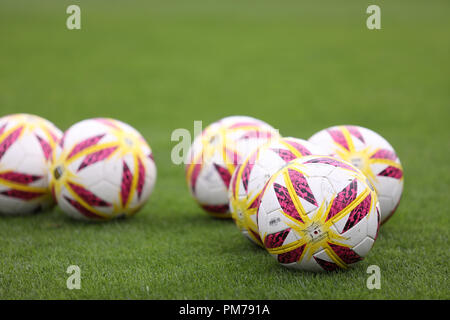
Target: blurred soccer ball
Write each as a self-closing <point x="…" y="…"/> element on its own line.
<point x="103" y="169"/>
<point x="249" y="179"/>
<point x="373" y="155"/>
<point x="26" y="148"/>
<point x="215" y="154"/>
<point x="318" y="213"/>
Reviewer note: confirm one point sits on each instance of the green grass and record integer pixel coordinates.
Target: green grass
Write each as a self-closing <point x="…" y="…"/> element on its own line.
<point x="301" y="66"/>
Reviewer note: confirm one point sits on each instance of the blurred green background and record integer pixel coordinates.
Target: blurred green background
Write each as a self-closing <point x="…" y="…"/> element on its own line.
<point x="159" y="65"/>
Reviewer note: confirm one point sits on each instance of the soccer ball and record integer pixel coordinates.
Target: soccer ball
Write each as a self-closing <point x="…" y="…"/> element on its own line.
<point x="103" y="169"/>
<point x="26" y="149"/>
<point x="250" y="177"/>
<point x="318" y="213"/>
<point x="215" y="154"/>
<point x="373" y="155"/>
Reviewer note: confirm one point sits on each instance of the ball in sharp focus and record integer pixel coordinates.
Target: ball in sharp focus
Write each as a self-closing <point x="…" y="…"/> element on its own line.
<point x="103" y="169"/>
<point x="249" y="179"/>
<point x="215" y="154"/>
<point x="318" y="213"/>
<point x="373" y="155"/>
<point x="26" y="149"/>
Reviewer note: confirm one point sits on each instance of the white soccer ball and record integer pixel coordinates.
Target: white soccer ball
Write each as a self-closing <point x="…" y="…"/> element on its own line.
<point x="215" y="154"/>
<point x="318" y="213"/>
<point x="249" y="179"/>
<point x="26" y="150"/>
<point x="103" y="169"/>
<point x="373" y="155"/>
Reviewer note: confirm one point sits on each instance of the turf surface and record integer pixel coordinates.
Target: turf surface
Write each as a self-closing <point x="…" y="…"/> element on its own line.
<point x="159" y="65"/>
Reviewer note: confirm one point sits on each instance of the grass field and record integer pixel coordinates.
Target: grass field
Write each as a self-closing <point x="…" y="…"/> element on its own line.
<point x="160" y="65"/>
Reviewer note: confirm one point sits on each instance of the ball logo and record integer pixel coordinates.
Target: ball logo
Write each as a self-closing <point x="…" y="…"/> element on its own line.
<point x="58" y="172"/>
<point x="358" y="162"/>
<point x="129" y="142"/>
<point x="316" y="233"/>
<point x="274" y="222"/>
<point x="214" y="140"/>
